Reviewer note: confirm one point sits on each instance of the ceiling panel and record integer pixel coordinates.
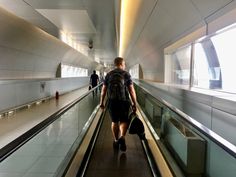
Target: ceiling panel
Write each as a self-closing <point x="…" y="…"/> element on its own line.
<point x="142" y="18"/>
<point x="56" y="4"/>
<point x="23" y="10"/>
<point x="169" y="20"/>
<point x="102" y="14"/>
<point x="72" y="21"/>
<point x="208" y="7"/>
<point x="84" y="19"/>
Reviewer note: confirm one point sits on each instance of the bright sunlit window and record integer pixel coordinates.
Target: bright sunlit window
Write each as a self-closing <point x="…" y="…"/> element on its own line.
<point x="71" y="71"/>
<point x="213" y="62"/>
<point x="134" y="71"/>
<point x="225" y="49"/>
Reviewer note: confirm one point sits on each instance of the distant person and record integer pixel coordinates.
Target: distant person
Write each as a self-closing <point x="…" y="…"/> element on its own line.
<point x="118" y="85"/>
<point x="94" y="80"/>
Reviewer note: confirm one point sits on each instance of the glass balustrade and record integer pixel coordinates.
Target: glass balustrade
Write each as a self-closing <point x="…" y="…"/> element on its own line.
<point x="46" y="154"/>
<point x="197" y="150"/>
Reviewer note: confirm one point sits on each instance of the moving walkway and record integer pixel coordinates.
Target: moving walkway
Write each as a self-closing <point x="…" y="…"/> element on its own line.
<point x="61" y="145"/>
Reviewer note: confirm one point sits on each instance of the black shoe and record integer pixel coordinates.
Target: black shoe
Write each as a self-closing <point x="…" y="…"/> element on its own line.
<point x="115" y="144"/>
<point x="122" y="144"/>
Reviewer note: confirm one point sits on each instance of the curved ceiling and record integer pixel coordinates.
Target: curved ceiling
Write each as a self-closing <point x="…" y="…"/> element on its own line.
<point x="83" y="20"/>
<point x="158" y="24"/>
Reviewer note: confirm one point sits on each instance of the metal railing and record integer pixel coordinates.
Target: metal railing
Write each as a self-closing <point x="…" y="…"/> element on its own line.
<point x="159" y="110"/>
<point x="64" y="128"/>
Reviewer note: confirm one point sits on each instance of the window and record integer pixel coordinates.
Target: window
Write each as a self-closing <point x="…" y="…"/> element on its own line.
<point x="180" y="66"/>
<point x="207" y="71"/>
<point x="213" y="62"/>
<point x="201" y="77"/>
<point x="71" y="71"/>
<point x="225" y="49"/>
<point x="134" y="71"/>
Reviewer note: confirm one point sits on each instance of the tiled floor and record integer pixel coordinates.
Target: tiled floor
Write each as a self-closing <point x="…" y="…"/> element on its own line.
<point x="106" y="162"/>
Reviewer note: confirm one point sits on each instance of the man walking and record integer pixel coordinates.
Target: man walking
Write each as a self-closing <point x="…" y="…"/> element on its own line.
<point x="94" y="79"/>
<point x="118" y="85"/>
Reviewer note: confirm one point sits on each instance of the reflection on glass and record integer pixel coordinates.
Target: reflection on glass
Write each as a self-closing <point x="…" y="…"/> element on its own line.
<point x="175" y="132"/>
<point x="180" y="66"/>
<point x="46" y="153"/>
<point x="201" y="75"/>
<point x="152" y="109"/>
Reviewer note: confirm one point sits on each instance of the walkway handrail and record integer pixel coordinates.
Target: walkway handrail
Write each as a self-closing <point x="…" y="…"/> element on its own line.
<point x="21" y="140"/>
<point x="226" y="145"/>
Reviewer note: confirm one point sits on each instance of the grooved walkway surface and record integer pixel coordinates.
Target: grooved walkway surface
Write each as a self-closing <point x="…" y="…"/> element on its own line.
<point x="107" y="162"/>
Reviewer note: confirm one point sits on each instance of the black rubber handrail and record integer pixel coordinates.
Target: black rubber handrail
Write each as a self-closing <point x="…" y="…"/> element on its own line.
<point x="150" y="158"/>
<point x="87" y="157"/>
<point x="226" y="145"/>
<point x="22" y="139"/>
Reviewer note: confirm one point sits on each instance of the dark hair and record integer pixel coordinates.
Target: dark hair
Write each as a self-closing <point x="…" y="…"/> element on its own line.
<point x="118" y="61"/>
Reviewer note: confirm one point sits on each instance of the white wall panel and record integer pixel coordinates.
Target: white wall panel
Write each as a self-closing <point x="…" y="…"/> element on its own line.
<point x="21" y="9"/>
<point x="7" y="96"/>
<point x="144" y="11"/>
<point x="5" y="57"/>
<point x="208" y="7"/>
<point x="153" y="66"/>
<point x="27" y="51"/>
<point x="20" y="92"/>
<point x="27" y="92"/>
<point x="169" y="20"/>
<point x="222" y="18"/>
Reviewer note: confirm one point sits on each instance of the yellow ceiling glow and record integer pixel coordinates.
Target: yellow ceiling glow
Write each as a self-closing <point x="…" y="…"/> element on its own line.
<point x="128" y="15"/>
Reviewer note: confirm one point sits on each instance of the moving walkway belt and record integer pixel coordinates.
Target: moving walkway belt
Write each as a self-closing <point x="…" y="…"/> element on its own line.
<point x="102" y="160"/>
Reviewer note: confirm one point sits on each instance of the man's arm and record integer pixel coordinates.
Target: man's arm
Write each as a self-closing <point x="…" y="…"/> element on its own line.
<point x="133" y="96"/>
<point x="97" y="79"/>
<point x="90" y="80"/>
<point x="103" y="95"/>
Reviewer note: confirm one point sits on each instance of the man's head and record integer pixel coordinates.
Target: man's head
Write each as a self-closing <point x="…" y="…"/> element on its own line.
<point x="119" y="62"/>
<point x="94" y="72"/>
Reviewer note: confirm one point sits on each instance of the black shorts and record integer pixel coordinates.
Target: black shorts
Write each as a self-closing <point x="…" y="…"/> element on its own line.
<point x="119" y="110"/>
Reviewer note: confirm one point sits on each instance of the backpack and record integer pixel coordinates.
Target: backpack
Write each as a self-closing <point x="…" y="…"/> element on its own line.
<point x="116" y="88"/>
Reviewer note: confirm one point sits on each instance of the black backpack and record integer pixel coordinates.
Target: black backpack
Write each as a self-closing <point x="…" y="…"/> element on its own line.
<point x="116" y="88"/>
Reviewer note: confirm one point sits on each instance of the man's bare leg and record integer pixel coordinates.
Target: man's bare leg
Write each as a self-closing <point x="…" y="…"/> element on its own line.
<point x="123" y="129"/>
<point x="115" y="130"/>
<point x="115" y="133"/>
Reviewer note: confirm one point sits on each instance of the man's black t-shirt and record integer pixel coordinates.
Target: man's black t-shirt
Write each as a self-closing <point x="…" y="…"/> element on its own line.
<point x="94" y="80"/>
